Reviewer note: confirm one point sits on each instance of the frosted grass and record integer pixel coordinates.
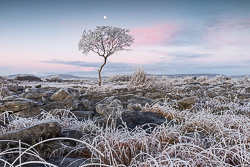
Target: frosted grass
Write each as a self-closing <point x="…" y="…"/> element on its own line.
<point x="197" y="139"/>
<point x="214" y="132"/>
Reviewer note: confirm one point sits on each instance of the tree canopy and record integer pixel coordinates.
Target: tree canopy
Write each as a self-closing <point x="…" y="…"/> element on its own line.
<point x="105" y="41"/>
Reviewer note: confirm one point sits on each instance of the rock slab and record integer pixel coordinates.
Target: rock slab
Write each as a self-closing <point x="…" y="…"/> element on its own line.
<point x="61" y="95"/>
<point x="33" y="134"/>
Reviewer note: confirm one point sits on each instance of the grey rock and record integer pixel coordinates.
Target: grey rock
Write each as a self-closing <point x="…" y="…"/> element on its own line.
<point x="76" y="134"/>
<point x="131" y="98"/>
<point x="243" y="96"/>
<point x="4" y="92"/>
<point x="19" y="104"/>
<point x="194" y="87"/>
<point x="238" y="87"/>
<point x="217" y="89"/>
<point x="45" y="100"/>
<point x="84" y="114"/>
<point x="32" y="90"/>
<point x="61" y="95"/>
<point x="28" y="78"/>
<point x="119" y="90"/>
<point x="114" y="105"/>
<point x="12" y="98"/>
<point x="156" y="95"/>
<point x="228" y="85"/>
<point x="74" y="161"/>
<point x="35" y="95"/>
<point x="205" y="84"/>
<point x="229" y="95"/>
<point x="40" y="90"/>
<point x="247" y="89"/>
<point x="222" y="98"/>
<point x="187" y="103"/>
<point x="15" y="88"/>
<point x="30" y="112"/>
<point x="33" y="134"/>
<point x="38" y="86"/>
<point x="213" y="94"/>
<point x="87" y="105"/>
<point x="140" y="94"/>
<point x="133" y="119"/>
<point x="95" y="96"/>
<point x="12" y="88"/>
<point x="111" y="107"/>
<point x="2" y="107"/>
<point x="22" y="95"/>
<point x="134" y="107"/>
<point x="65" y="104"/>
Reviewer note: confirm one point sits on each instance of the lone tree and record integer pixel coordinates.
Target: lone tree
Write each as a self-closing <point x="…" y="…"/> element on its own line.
<point x="105" y="40"/>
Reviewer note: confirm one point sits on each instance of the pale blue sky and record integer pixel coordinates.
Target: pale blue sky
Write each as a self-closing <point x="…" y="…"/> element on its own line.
<point x="171" y="36"/>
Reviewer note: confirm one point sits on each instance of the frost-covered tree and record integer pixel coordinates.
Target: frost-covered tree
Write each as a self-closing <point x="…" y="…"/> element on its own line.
<point x="105" y="40"/>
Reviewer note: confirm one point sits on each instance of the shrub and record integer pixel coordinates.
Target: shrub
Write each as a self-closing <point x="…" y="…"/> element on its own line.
<point x="188" y="79"/>
<point x="219" y="78"/>
<point x="164" y="78"/>
<point x="202" y="79"/>
<point x="247" y="77"/>
<point x="119" y="78"/>
<point x="140" y="80"/>
<point x="139" y="77"/>
<point x="54" y="78"/>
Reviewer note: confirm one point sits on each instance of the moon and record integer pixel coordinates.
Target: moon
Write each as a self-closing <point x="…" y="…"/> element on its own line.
<point x="104" y="17"/>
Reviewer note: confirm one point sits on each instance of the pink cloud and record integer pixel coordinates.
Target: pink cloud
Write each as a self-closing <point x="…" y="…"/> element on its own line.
<point x="65" y="67"/>
<point x="155" y="35"/>
<point x="40" y="68"/>
<point x="63" y="22"/>
<point x="231" y="32"/>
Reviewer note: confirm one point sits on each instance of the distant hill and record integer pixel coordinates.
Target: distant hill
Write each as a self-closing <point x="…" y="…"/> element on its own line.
<point x="63" y="76"/>
<point x="68" y="76"/>
<point x="185" y="75"/>
<point x="197" y="75"/>
<point x="239" y="76"/>
<point x="15" y="75"/>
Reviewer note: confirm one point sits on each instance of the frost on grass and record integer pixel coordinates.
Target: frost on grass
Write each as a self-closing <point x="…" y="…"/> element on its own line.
<point x="54" y="78"/>
<point x="214" y="132"/>
<point x="119" y="78"/>
<point x="200" y="138"/>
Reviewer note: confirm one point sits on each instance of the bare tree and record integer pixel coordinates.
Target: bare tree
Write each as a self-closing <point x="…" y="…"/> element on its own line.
<point x="105" y="40"/>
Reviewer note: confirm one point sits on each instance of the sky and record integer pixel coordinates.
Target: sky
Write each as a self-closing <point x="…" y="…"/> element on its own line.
<point x="41" y="37"/>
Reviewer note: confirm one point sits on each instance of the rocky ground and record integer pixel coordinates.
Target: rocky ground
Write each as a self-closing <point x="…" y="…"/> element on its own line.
<point x="34" y="110"/>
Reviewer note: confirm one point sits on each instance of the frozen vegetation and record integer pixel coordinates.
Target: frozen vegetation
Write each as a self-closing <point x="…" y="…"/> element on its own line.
<point x="207" y="122"/>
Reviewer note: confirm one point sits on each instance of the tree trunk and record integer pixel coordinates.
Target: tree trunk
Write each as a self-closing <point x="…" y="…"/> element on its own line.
<point x="99" y="71"/>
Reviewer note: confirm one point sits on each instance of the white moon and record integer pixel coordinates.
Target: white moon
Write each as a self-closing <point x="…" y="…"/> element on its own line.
<point x="104" y="17"/>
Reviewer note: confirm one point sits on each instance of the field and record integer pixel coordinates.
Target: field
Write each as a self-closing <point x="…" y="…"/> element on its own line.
<point x="211" y="130"/>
